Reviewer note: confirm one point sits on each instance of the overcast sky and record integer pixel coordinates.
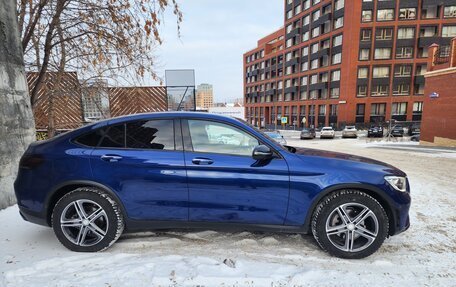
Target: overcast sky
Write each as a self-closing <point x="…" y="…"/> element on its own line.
<point x="214" y="36"/>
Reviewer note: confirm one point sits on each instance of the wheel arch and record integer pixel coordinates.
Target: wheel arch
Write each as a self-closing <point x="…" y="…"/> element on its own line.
<point x="65" y="187"/>
<point x="373" y="191"/>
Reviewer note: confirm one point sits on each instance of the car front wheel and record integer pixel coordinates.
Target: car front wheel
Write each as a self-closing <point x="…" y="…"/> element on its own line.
<point x="87" y="220"/>
<point x="350" y="224"/>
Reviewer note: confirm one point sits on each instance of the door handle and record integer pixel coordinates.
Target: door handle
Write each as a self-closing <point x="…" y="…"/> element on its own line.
<point x="202" y="161"/>
<point x="111" y="158"/>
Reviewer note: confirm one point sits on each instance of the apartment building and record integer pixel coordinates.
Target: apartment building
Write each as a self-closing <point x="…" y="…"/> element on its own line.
<point x="204" y="97"/>
<point x="337" y="62"/>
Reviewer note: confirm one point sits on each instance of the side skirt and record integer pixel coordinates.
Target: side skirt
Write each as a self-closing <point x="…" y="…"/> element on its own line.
<point x="143" y="225"/>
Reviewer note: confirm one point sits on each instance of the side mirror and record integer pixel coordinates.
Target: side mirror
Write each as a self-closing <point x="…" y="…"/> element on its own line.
<point x="262" y="152"/>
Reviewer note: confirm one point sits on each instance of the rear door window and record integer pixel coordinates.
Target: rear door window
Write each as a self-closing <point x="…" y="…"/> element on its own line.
<point x="153" y="134"/>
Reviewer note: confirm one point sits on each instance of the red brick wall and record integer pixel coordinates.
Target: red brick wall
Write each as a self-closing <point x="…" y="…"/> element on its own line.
<point x="439" y="114"/>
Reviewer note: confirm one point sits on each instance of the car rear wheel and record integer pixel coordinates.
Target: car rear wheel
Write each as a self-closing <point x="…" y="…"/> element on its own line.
<point x="87" y="220"/>
<point x="350" y="224"/>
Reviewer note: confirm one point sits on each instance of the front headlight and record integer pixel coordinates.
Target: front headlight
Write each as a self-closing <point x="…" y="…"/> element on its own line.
<point x="397" y="182"/>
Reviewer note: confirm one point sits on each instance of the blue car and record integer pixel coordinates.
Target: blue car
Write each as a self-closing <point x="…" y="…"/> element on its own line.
<point x="198" y="170"/>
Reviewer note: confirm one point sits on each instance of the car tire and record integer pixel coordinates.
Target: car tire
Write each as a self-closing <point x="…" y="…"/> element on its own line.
<point x="87" y="220"/>
<point x="339" y="231"/>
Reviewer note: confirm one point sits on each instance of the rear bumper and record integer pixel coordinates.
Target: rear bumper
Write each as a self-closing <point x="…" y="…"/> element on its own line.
<point x="33" y="216"/>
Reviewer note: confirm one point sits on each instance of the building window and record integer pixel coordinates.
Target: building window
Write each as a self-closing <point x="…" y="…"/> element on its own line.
<point x="381" y="72"/>
<point x="419" y="89"/>
<point x="338" y="4"/>
<point x="303" y="95"/>
<point x="360" y="109"/>
<point x="449" y="12"/>
<point x="382" y="53"/>
<point x="305" y="36"/>
<point x="337" y="41"/>
<point x="314" y="64"/>
<point x="407" y="13"/>
<point x="339" y="22"/>
<point x="305" y="66"/>
<point x="304" y="81"/>
<point x="401" y="90"/>
<point x="449" y="31"/>
<point x="417" y="107"/>
<point x="316" y="32"/>
<point x="305" y="51"/>
<point x="399" y="109"/>
<point x="297" y="10"/>
<point x="402" y="71"/>
<point x="366" y="16"/>
<point x="314" y="94"/>
<point x="334" y="93"/>
<point x="362" y="91"/>
<point x="430" y="12"/>
<point x="406" y="33"/>
<point x="385" y="15"/>
<point x="379" y="90"/>
<point x="336" y="58"/>
<point x="306" y="4"/>
<point x="404" y="52"/>
<point x="313" y="79"/>
<point x="378" y="109"/>
<point x="428" y="31"/>
<point x="315" y="15"/>
<point x="364" y="54"/>
<point x="324" y="77"/>
<point x="363" y="73"/>
<point x="335" y="75"/>
<point x="314" y="48"/>
<point x="384" y="34"/>
<point x="305" y="20"/>
<point x="366" y="35"/>
<point x="322" y="110"/>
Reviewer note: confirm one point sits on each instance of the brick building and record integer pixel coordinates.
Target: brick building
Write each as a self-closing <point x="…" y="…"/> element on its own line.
<point x="336" y="62"/>
<point x="438" y="125"/>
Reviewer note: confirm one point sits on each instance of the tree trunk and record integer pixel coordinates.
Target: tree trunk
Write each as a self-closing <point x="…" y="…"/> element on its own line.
<point x="17" y="127"/>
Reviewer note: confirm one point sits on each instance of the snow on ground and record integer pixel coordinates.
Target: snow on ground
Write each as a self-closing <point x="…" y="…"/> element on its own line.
<point x="425" y="255"/>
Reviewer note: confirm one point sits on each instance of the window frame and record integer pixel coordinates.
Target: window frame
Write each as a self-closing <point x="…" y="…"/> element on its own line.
<point x="178" y="138"/>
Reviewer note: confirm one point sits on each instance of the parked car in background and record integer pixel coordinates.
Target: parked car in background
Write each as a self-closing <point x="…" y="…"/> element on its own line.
<point x="277" y="137"/>
<point x="415" y="138"/>
<point x="397" y="131"/>
<point x="375" y="131"/>
<point x="414" y="129"/>
<point x="328" y="133"/>
<point x="308" y="133"/>
<point x="170" y="170"/>
<point x="350" y="132"/>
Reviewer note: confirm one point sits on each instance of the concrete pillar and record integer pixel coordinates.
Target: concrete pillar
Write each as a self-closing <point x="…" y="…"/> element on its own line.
<point x="17" y="127"/>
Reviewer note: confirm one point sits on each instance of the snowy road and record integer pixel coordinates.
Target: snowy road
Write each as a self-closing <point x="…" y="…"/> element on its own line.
<point x="425" y="255"/>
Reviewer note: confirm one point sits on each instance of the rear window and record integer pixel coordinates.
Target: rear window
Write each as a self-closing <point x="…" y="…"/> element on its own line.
<point x="112" y="136"/>
<point x="327" y="129"/>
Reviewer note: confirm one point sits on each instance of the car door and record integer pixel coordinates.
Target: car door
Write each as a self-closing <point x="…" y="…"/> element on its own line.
<point x="144" y="162"/>
<point x="225" y="183"/>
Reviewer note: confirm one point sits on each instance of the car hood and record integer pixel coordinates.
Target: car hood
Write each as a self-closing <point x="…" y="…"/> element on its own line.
<point x="349" y="160"/>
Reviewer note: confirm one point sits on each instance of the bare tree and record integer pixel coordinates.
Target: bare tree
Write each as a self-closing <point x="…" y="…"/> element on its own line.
<point x="101" y="38"/>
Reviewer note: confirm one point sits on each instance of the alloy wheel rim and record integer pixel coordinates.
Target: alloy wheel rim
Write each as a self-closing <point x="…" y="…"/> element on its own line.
<point x="84" y="222"/>
<point x="352" y="227"/>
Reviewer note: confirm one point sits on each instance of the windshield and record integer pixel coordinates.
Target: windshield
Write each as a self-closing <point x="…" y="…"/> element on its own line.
<point x="327" y="129"/>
